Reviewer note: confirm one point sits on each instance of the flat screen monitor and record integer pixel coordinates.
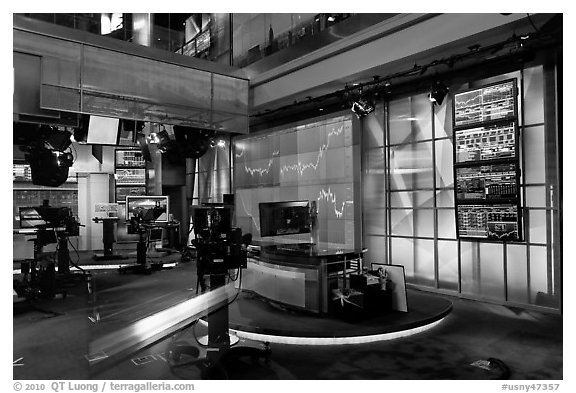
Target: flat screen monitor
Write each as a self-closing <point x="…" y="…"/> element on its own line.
<point x="150" y="208"/>
<point x="30" y="218"/>
<point x="155" y="235"/>
<point x="284" y="218"/>
<point x="217" y="219"/>
<point x="102" y="130"/>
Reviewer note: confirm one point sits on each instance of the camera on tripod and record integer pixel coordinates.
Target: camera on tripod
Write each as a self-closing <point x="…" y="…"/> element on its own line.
<point x="219" y="247"/>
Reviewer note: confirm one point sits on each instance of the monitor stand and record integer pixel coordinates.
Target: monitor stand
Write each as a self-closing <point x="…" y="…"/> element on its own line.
<point x="141" y="266"/>
<point x="108" y="240"/>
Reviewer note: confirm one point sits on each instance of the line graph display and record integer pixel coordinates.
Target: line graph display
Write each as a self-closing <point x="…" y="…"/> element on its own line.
<point x="312" y="161"/>
<point x="485" y="104"/>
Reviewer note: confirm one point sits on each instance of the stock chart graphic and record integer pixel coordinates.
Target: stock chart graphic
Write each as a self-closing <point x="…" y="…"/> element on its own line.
<point x="313" y="161"/>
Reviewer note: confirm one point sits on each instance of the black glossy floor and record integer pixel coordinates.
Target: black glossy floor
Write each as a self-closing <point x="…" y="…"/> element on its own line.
<point x="51" y="339"/>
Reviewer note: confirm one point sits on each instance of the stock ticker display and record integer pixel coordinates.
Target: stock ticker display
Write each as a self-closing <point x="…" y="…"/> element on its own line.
<point x="487" y="182"/>
<point x="487" y="166"/>
<point x="486" y="143"/>
<point x="495" y="222"/>
<point x="486" y="104"/>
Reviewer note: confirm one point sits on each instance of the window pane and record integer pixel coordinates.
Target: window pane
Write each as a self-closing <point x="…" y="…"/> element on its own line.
<point x="517" y="273"/>
<point x="448" y="264"/>
<point x="469" y="268"/>
<point x="445" y="198"/>
<point x="492" y="271"/>
<point x="410" y="119"/>
<point x="444" y="164"/>
<point x="411" y="199"/>
<point x="538" y="274"/>
<point x="446" y="224"/>
<point x="534" y="95"/>
<point x="535" y="196"/>
<point x="411" y="166"/>
<point x="373" y="128"/>
<point x="424" y="223"/>
<point x="402" y="222"/>
<point x="424" y="262"/>
<point x="443" y="118"/>
<point x="534" y="155"/>
<point x="403" y="254"/>
<point x="537" y="226"/>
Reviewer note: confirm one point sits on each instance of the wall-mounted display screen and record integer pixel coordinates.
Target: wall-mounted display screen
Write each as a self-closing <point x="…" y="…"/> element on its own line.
<point x="123" y="192"/>
<point x="130" y="177"/>
<point x="129" y="159"/>
<point x="489" y="103"/>
<point x="487" y="165"/>
<point x="486" y="143"/>
<point x="496" y="222"/>
<point x="149" y="208"/>
<point x="284" y="218"/>
<point x="487" y="182"/>
<point x="312" y="160"/>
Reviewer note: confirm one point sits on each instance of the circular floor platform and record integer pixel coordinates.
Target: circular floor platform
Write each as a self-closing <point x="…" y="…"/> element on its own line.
<point x="253" y="317"/>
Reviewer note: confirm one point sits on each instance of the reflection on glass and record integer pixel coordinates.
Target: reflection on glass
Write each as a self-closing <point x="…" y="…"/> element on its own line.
<point x="411" y="166"/>
<point x="517" y="273"/>
<point x="403" y="254"/>
<point x="424" y="262"/>
<point x="492" y="271"/>
<point x="538" y="274"/>
<point x="448" y="265"/>
<point x="534" y="153"/>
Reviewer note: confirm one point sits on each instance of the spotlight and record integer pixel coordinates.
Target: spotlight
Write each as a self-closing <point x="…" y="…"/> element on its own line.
<point x="221" y="143"/>
<point x="362" y="107"/>
<point x="49" y="167"/>
<point x="162" y="140"/>
<point x="438" y="92"/>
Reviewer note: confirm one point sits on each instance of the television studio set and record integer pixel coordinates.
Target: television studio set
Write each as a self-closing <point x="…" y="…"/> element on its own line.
<point x="288" y="196"/>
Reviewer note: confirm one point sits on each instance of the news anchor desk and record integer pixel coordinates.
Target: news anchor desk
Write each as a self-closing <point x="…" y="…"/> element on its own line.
<point x="298" y="275"/>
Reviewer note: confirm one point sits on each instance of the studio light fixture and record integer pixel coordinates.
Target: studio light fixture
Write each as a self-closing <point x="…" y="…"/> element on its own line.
<point x="438" y="92"/>
<point x="363" y="105"/>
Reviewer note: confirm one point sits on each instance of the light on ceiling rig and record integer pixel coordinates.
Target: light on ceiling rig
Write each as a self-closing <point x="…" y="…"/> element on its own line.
<point x="363" y="105"/>
<point x="438" y="92"/>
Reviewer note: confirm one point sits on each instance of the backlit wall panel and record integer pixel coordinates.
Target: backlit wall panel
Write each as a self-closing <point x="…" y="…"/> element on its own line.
<point x="411" y="179"/>
<point x="315" y="161"/>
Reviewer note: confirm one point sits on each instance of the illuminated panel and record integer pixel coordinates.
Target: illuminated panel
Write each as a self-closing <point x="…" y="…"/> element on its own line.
<point x="487" y="182"/>
<point x="486" y="143"/>
<point x="486" y="104"/>
<point x="130" y="177"/>
<point x="487" y="168"/>
<point x="312" y="161"/>
<point x="498" y="222"/>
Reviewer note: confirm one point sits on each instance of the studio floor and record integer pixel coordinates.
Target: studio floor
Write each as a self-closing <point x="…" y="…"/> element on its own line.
<point x="52" y="337"/>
